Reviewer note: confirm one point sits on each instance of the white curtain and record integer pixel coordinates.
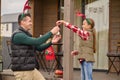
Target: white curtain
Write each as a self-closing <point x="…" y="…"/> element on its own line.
<point x="99" y="12"/>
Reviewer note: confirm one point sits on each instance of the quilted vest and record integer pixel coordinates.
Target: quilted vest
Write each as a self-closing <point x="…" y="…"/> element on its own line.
<point x="86" y="48"/>
<point x="23" y="57"/>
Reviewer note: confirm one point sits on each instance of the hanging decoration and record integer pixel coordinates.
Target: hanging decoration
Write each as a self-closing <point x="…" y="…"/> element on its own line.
<point x="49" y="53"/>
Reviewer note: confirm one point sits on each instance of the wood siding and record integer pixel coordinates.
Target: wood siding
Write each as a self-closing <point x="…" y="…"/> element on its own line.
<point x="45" y="16"/>
<point x="114" y="35"/>
<point x="114" y="29"/>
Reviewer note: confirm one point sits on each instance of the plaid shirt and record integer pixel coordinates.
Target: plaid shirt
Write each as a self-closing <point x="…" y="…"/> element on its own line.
<point x="82" y="33"/>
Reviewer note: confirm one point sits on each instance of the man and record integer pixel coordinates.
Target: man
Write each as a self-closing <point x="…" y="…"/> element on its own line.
<point x="24" y="46"/>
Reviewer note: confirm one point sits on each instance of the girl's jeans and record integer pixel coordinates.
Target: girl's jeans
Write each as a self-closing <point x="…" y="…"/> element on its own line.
<point x="86" y="70"/>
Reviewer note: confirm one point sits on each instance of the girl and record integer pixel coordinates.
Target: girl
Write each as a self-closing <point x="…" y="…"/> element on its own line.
<point x="86" y="46"/>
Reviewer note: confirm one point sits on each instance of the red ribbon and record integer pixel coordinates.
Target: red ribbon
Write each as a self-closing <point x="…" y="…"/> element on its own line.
<point x="26" y="6"/>
<point x="78" y="13"/>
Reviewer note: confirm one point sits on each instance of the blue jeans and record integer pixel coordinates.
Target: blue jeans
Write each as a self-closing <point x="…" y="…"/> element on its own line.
<point x="86" y="70"/>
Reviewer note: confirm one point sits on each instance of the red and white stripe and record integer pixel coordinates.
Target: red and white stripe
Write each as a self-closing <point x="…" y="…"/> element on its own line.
<point x="82" y="33"/>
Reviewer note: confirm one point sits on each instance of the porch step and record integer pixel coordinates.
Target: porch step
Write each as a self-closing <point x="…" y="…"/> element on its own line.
<point x="7" y="75"/>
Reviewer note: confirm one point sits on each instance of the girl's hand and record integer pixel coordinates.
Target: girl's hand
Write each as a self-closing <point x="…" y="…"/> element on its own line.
<point x="75" y="52"/>
<point x="59" y="22"/>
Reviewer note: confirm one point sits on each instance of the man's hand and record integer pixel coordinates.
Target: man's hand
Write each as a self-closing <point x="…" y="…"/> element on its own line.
<point x="55" y="30"/>
<point x="56" y="38"/>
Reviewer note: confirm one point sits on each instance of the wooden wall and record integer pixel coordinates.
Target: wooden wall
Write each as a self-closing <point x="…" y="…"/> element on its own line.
<point x="114" y="32"/>
<point x="45" y="16"/>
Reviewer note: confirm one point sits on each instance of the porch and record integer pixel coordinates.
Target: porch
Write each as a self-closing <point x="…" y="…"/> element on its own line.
<point x="97" y="75"/>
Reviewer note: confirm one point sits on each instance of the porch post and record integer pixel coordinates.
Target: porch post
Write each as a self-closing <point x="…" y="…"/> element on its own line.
<point x="68" y="40"/>
<point x="32" y="11"/>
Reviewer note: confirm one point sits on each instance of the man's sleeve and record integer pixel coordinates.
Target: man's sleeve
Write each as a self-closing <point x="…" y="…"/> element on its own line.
<point x="22" y="38"/>
<point x="43" y="46"/>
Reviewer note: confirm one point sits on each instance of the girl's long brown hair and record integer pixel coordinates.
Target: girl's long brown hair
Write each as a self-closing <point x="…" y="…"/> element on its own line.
<point x="91" y="22"/>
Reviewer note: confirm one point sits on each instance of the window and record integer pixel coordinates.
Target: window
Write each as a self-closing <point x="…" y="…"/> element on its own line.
<point x="7" y="27"/>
